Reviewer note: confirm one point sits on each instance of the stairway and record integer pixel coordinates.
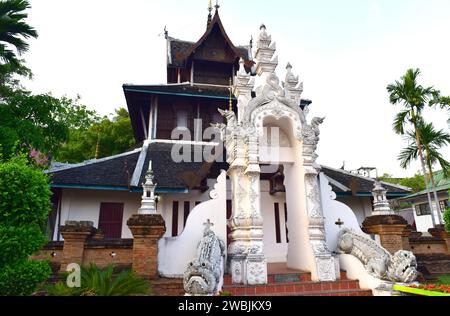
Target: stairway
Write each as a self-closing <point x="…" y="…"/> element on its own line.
<point x="286" y="282"/>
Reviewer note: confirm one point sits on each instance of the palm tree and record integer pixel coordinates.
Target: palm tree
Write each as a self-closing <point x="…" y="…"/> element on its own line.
<point x="432" y="141"/>
<point x="13" y="29"/>
<point x="413" y="97"/>
<point x="14" y="32"/>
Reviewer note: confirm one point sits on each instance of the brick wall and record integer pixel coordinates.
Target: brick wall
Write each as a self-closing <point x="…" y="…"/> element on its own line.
<point x="51" y="252"/>
<point x="427" y="246"/>
<point x="100" y="252"/>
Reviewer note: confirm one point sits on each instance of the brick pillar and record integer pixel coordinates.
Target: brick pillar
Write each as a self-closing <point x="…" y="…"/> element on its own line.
<point x="146" y="230"/>
<point x="75" y="235"/>
<point x="405" y="237"/>
<point x="440" y="232"/>
<point x="390" y="228"/>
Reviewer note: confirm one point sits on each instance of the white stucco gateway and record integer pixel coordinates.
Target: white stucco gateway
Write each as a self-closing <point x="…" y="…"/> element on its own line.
<point x="273" y="106"/>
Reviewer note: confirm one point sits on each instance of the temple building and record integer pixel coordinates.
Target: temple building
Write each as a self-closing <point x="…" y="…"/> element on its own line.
<point x="211" y="82"/>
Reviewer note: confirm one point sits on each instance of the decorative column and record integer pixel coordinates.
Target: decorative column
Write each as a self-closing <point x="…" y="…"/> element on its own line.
<point x="247" y="263"/>
<point x="390" y="227"/>
<point x="147" y="228"/>
<point x="75" y="235"/>
<point x="242" y="89"/>
<point x="324" y="261"/>
<point x="256" y="261"/>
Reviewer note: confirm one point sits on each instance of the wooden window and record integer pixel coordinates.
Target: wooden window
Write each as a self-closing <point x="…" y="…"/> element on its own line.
<point x="443" y="206"/>
<point x="187" y="210"/>
<point x="423" y="209"/>
<point x="175" y="219"/>
<point x="277" y="223"/>
<point x="111" y="219"/>
<point x="286" y="219"/>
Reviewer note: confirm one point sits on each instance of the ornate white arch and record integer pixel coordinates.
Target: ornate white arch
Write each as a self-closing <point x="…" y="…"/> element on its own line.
<point x="307" y="248"/>
<point x="278" y="111"/>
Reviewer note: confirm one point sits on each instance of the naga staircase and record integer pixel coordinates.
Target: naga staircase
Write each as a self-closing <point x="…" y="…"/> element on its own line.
<point x="287" y="282"/>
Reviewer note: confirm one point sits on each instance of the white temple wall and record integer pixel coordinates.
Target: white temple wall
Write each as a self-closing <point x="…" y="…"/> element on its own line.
<point x="84" y="205"/>
<point x="361" y="206"/>
<point x="165" y="206"/>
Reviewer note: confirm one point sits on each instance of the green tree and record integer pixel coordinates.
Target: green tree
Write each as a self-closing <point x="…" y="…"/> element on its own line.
<point x="14" y="32"/>
<point x="39" y="122"/>
<point x="447" y="216"/>
<point x="415" y="183"/>
<point x="413" y="98"/>
<point x="24" y="207"/>
<point x="105" y="138"/>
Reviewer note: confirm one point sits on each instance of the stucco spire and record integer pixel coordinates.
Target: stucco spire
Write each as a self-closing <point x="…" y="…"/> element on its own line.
<point x="210" y="8"/>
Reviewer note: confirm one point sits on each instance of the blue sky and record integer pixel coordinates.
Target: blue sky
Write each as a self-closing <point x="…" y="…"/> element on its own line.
<point x="346" y="52"/>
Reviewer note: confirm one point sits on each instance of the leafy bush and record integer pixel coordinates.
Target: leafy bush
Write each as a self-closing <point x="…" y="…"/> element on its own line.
<point x="17" y="243"/>
<point x="24" y="207"/>
<point x="98" y="282"/>
<point x="444" y="280"/>
<point x="447" y="217"/>
<point x="24" y="194"/>
<point x="23" y="278"/>
<point x="447" y="220"/>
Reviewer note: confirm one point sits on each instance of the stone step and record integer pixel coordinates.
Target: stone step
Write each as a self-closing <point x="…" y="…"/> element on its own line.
<point x="290" y="288"/>
<point x="328" y="293"/>
<point x="167" y="287"/>
<point x="284" y="278"/>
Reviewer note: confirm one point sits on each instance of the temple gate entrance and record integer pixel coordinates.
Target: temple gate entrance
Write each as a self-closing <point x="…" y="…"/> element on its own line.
<point x="274" y="108"/>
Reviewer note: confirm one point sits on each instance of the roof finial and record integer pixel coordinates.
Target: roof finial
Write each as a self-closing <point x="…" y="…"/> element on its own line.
<point x="217" y="6"/>
<point x="97" y="149"/>
<point x="210" y="8"/>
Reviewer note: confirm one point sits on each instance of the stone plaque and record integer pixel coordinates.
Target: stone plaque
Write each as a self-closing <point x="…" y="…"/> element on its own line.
<point x="286" y="278"/>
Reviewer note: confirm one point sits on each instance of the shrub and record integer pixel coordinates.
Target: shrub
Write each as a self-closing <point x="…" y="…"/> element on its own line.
<point x="23" y="278"/>
<point x="24" y="194"/>
<point x="447" y="220"/>
<point x="24" y="207"/>
<point x="444" y="280"/>
<point x="98" y="282"/>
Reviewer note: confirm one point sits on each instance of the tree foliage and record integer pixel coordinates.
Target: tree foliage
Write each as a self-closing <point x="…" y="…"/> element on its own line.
<point x="447" y="217"/>
<point x="40" y="122"/>
<point x="24" y="208"/>
<point x="415" y="183"/>
<point x="113" y="136"/>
